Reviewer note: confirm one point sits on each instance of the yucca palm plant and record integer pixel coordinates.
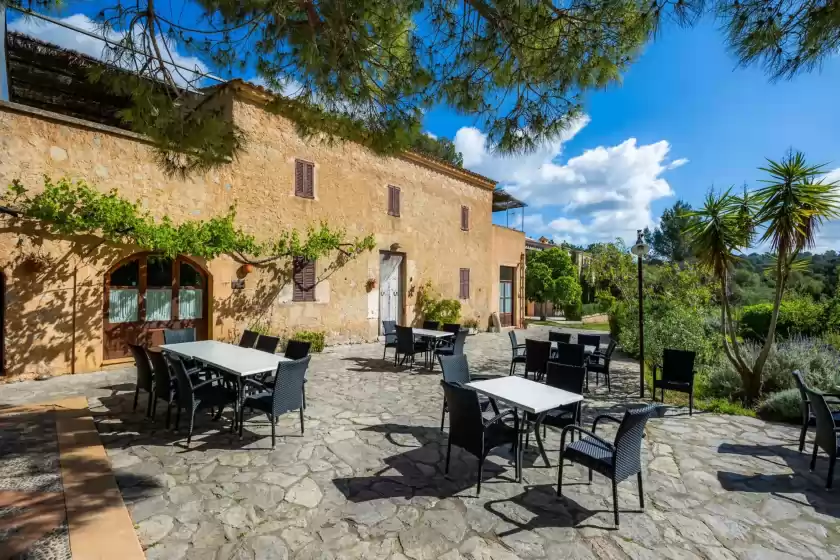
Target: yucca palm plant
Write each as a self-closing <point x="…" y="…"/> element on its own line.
<point x="787" y="211"/>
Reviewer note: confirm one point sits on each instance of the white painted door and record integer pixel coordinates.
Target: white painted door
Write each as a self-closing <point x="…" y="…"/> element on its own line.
<point x="389" y="287"/>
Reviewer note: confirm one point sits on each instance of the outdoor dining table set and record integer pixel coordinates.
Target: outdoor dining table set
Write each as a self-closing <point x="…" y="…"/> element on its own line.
<point x="191" y="375"/>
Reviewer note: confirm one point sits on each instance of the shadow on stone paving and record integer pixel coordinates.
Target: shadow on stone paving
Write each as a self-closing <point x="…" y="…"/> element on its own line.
<point x="120" y="426"/>
<point x="802" y="482"/>
<point x="420" y="471"/>
<point x="550" y="511"/>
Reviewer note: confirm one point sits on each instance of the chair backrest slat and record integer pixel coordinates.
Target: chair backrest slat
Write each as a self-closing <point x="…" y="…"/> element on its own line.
<point x="590" y="340"/>
<point x="177" y="336"/>
<point x="456" y="369"/>
<point x="826" y="437"/>
<point x="557" y="336"/>
<point x="628" y="441"/>
<point x="249" y="338"/>
<point x="288" y="385"/>
<point x="144" y="366"/>
<point x="565" y="377"/>
<point x="186" y="399"/>
<point x="267" y="343"/>
<point x="458" y="344"/>
<point x="297" y="349"/>
<point x="537" y="353"/>
<point x="466" y="427"/>
<point x="678" y="365"/>
<point x="405" y="340"/>
<point x="163" y="375"/>
<point x="454" y="328"/>
<point x="570" y="354"/>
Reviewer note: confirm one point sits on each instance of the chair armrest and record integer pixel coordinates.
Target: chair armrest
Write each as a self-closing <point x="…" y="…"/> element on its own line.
<point x="207" y="382"/>
<point x="498" y="417"/>
<point x="255" y="383"/>
<point x="584" y="431"/>
<point x="604" y="417"/>
<point x="481" y="377"/>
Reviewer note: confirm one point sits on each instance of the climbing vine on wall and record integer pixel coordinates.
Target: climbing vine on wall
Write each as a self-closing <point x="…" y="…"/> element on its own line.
<point x="69" y="208"/>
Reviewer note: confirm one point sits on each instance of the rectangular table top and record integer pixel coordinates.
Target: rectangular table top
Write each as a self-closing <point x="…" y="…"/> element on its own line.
<point x="431" y="334"/>
<point x="525" y="394"/>
<point x="230" y="358"/>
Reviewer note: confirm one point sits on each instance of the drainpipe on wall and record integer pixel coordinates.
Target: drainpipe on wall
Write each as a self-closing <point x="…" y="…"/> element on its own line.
<point x="4" y="69"/>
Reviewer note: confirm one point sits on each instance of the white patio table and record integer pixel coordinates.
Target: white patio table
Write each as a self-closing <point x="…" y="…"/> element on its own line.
<point x="236" y="361"/>
<point x="432" y="335"/>
<point x="528" y="396"/>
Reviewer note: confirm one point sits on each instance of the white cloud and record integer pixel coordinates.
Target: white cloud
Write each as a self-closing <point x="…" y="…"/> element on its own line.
<point x="832" y="176"/>
<point x="95" y="48"/>
<point x="430" y="135"/>
<point x="601" y="194"/>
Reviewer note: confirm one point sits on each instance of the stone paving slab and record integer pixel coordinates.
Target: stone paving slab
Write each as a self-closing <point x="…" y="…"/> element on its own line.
<point x="366" y="479"/>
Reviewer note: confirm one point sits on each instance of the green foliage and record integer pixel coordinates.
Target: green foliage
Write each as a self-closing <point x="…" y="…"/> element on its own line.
<point x="434" y="308"/>
<point x="591" y="309"/>
<point x="470" y="324"/>
<point x="315" y="338"/>
<point x="70" y="208"/>
<point x="784" y="406"/>
<point x="799" y="315"/>
<point x="669" y="241"/>
<point x="551" y="276"/>
<point x="260" y="327"/>
<point x="724" y="406"/>
<point x="573" y="311"/>
<point x="438" y="148"/>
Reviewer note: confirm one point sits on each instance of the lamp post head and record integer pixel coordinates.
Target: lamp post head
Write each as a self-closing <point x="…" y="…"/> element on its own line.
<point x="640" y="249"/>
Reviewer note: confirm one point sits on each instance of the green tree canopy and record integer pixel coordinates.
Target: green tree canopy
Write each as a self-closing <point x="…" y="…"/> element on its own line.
<point x="669" y="241"/>
<point x="369" y="69"/>
<point x="551" y="276"/>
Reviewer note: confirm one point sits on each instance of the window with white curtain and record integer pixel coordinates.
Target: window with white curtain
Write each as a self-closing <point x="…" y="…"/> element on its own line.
<point x="158" y="304"/>
<point x="190" y="303"/>
<point x="122" y="305"/>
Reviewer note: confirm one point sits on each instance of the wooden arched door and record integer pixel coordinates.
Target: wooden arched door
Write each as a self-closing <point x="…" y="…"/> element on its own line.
<point x="147" y="293"/>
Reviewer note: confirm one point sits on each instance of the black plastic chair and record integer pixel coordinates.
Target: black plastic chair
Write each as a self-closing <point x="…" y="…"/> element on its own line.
<point x="537" y="354"/>
<point x="178" y="336"/>
<point x="808" y="418"/>
<point x="517" y="351"/>
<point x="455" y="349"/>
<point x="826" y="436"/>
<point x="567" y="378"/>
<point x="599" y="363"/>
<point x="454" y="328"/>
<point x="165" y="385"/>
<point x="284" y="395"/>
<point x="389" y="329"/>
<point x="194" y="397"/>
<point x="407" y="346"/>
<point x="677" y="374"/>
<point x="145" y="377"/>
<point x="297" y="350"/>
<point x="593" y="340"/>
<point x="249" y="338"/>
<point x="556" y="336"/>
<point x="268" y="343"/>
<point x="431" y="325"/>
<point x="469" y="430"/>
<point x="618" y="460"/>
<point x="456" y="370"/>
<point x="570" y="354"/>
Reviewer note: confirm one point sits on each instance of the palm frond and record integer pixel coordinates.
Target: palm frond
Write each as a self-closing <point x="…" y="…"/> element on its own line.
<point x="718" y="234"/>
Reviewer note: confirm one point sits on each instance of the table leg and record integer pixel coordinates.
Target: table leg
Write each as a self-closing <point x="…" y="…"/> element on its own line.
<point x="537" y="426"/>
<point x="521" y="447"/>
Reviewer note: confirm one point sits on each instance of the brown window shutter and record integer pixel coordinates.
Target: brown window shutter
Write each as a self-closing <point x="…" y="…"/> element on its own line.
<point x="304" y="179"/>
<point x="393" y="200"/>
<point x="303" y="280"/>
<point x="299" y="178"/>
<point x="465" y="218"/>
<point x="310" y="180"/>
<point x="464" y="291"/>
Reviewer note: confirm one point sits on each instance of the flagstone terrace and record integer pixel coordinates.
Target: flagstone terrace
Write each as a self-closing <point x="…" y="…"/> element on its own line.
<point x="366" y="478"/>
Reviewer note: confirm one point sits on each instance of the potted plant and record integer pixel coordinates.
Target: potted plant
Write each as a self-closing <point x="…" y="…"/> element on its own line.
<point x="472" y="325"/>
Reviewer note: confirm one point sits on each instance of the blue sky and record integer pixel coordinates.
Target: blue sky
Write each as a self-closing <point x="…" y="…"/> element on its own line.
<point x="685" y="118"/>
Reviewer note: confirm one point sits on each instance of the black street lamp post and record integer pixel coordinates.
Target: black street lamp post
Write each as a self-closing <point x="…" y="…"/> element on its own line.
<point x="640" y="249"/>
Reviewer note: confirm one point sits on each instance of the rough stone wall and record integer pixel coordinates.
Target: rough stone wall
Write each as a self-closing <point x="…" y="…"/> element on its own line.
<point x="52" y="321"/>
<point x="508" y="248"/>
